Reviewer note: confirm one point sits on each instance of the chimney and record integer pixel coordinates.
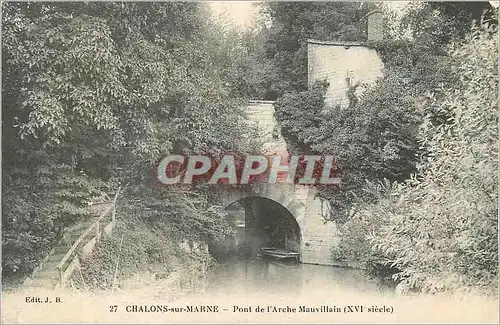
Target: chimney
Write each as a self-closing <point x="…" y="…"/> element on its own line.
<point x="375" y="25"/>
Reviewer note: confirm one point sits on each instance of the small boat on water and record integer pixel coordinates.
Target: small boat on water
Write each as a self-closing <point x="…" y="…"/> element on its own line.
<point x="285" y="263"/>
<point x="277" y="253"/>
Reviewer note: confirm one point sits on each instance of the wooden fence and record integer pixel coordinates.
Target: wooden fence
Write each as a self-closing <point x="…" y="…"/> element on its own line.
<point x="94" y="227"/>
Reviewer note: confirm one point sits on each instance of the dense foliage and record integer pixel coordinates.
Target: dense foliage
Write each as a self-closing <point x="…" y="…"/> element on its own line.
<point x="440" y="228"/>
<point x="295" y="22"/>
<point x="439" y="23"/>
<point x="93" y="95"/>
<point x="374" y="138"/>
<point x="418" y="201"/>
<point x="146" y="242"/>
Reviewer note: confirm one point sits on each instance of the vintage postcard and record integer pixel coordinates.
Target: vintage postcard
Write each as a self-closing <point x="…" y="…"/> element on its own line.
<point x="249" y="162"/>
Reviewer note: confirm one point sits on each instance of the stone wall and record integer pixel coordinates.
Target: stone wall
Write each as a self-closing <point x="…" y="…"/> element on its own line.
<point x="317" y="237"/>
<point x="343" y="65"/>
<point x="261" y="113"/>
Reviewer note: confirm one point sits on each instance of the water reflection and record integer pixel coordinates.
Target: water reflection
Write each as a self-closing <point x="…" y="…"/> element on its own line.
<point x="258" y="223"/>
<point x="265" y="276"/>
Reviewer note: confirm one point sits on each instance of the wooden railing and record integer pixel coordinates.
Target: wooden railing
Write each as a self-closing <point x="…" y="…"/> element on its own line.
<point x="94" y="226"/>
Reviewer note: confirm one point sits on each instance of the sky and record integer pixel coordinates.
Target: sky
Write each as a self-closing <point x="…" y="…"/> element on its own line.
<point x="241" y="13"/>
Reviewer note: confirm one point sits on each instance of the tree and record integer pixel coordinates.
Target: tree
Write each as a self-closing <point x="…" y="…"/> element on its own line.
<point x="293" y="23"/>
<point x="439" y="23"/>
<point x="94" y="94"/>
<point x="448" y="212"/>
<point x="376" y="137"/>
<point x="438" y="230"/>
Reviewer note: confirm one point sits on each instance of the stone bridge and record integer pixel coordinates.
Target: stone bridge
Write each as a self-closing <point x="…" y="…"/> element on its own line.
<point x="344" y="65"/>
<point x="316" y="236"/>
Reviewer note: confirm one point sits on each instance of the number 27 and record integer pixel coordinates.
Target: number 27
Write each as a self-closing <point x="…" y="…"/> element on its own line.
<point x="113" y="308"/>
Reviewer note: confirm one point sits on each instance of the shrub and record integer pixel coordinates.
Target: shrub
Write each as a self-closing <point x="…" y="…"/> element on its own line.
<point x="440" y="227"/>
<point x="149" y="245"/>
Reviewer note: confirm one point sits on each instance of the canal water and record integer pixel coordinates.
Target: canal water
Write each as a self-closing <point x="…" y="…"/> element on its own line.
<point x="261" y="277"/>
<point x="314" y="293"/>
<point x="239" y="292"/>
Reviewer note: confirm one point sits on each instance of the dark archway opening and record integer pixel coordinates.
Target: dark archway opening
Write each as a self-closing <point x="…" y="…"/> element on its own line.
<point x="257" y="222"/>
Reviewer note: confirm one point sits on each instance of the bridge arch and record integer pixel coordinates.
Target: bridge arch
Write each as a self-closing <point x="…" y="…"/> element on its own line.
<point x="270" y="204"/>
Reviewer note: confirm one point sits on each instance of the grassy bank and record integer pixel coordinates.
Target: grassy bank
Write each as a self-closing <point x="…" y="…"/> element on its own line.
<point x="139" y="252"/>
